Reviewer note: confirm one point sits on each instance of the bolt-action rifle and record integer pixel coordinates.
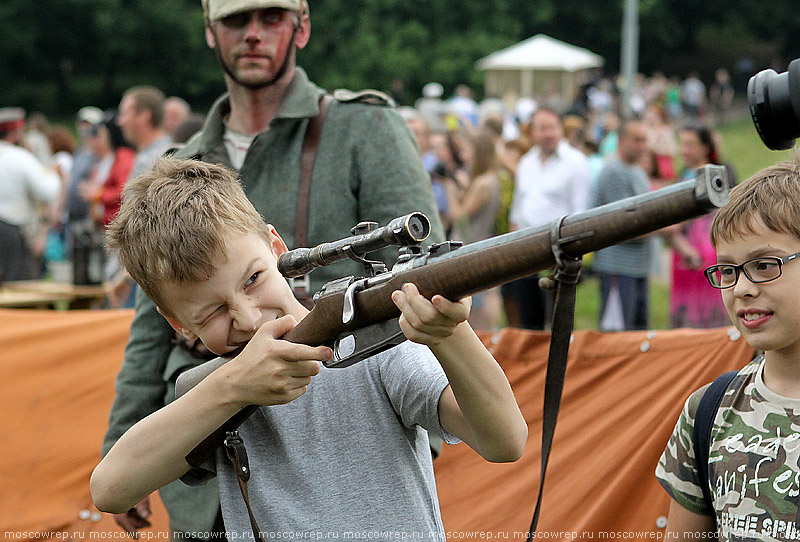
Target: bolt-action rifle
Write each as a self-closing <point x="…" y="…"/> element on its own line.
<point x="357" y="318"/>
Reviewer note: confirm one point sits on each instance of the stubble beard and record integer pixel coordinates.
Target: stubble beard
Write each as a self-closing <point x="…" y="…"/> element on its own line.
<point x="260" y="85"/>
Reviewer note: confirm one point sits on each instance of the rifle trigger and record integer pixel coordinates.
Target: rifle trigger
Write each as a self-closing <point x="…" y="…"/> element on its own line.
<point x="358" y="345"/>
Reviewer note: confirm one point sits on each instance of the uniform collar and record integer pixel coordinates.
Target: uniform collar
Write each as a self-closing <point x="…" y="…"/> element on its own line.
<point x="301" y="100"/>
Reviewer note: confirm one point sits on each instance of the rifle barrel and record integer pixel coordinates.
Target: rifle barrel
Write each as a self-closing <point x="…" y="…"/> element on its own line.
<point x="489" y="263"/>
<point x="485" y="264"/>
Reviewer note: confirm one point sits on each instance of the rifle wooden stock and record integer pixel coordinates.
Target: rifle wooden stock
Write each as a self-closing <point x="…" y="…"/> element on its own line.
<point x="489" y="263"/>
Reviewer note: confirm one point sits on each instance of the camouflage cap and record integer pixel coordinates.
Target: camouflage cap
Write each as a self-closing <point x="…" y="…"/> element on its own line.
<point x="217" y="9"/>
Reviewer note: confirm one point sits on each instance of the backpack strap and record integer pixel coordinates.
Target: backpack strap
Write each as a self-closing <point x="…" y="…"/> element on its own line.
<point x="703" y="424"/>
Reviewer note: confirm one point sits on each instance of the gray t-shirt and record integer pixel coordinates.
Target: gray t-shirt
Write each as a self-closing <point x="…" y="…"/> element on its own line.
<point x="348" y="459"/>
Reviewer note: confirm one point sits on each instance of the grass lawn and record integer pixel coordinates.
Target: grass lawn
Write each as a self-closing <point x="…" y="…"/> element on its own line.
<point x="587" y="304"/>
<point x="744" y="150"/>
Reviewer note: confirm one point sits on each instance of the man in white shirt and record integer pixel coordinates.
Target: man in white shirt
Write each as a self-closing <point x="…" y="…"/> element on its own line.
<point x="26" y="185"/>
<point x="552" y="181"/>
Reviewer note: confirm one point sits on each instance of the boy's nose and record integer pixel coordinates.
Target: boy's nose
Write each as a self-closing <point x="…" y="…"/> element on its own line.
<point x="246" y="318"/>
<point x="744" y="286"/>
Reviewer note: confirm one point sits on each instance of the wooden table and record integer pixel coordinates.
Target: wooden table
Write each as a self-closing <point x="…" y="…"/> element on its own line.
<point x="49" y="294"/>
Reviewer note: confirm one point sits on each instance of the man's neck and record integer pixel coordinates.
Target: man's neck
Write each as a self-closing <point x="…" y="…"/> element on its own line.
<point x="253" y="110"/>
<point x="545" y="155"/>
<point x="147" y="139"/>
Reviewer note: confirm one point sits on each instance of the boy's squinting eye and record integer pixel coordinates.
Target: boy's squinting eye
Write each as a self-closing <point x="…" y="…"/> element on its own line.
<point x="253" y="278"/>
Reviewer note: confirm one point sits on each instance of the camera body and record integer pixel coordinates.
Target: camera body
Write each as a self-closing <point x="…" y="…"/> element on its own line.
<point x="775" y="106"/>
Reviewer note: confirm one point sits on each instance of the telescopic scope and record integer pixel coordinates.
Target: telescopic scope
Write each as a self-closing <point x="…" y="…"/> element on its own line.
<point x="407" y="230"/>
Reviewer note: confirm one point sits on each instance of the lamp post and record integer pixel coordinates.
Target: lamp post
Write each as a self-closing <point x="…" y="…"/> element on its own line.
<point x="630" y="53"/>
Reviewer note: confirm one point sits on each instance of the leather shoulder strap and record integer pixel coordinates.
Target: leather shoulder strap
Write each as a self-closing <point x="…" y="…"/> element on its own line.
<point x="307" y="159"/>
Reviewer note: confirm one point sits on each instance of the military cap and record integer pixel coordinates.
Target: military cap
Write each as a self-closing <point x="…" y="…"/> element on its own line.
<point x="218" y="9"/>
<point x="11" y="118"/>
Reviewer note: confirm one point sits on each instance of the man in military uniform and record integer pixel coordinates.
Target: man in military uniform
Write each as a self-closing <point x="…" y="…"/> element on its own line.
<point x="366" y="167"/>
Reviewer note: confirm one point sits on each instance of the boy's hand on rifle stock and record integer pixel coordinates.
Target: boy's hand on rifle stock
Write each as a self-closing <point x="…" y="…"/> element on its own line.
<point x="429" y="322"/>
<point x="271" y="371"/>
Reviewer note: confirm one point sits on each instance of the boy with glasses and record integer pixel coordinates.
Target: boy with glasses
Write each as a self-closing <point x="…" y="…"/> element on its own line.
<point x="754" y="444"/>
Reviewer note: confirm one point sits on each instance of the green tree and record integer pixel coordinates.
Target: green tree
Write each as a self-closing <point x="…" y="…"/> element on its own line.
<point x="58" y="55"/>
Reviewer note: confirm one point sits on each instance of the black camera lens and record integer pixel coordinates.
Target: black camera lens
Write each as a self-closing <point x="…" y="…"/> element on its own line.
<point x="775" y="106"/>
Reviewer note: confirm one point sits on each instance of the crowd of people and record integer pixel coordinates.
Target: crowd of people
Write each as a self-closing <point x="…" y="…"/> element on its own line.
<point x="63" y="184"/>
<point x="192" y="232"/>
<point x="550" y="158"/>
<point x="494" y="167"/>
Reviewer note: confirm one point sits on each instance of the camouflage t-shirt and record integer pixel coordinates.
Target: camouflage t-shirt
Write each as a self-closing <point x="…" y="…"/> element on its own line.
<point x="753" y="461"/>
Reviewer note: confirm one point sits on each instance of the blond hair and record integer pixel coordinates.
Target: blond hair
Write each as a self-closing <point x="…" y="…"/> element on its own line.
<point x="173" y="220"/>
<point x="771" y="195"/>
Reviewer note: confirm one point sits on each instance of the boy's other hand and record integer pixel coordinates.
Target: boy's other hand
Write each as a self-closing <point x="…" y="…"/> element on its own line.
<point x="429" y="322"/>
<point x="271" y="371"/>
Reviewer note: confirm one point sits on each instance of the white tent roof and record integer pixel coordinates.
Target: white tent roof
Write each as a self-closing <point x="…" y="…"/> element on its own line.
<point x="541" y="53"/>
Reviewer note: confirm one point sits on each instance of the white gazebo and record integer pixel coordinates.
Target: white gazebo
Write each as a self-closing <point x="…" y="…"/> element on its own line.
<point x="537" y="68"/>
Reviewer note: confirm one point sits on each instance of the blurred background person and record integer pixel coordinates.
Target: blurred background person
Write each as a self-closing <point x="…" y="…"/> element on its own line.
<point x="721" y="96"/>
<point x="693" y="97"/>
<point x="609" y="140"/>
<point x="464" y="106"/>
<point x="431" y="106"/>
<point x="85" y="162"/>
<point x="661" y="140"/>
<point x="36" y="139"/>
<point x="649" y="164"/>
<point x="62" y="145"/>
<point x="623" y="269"/>
<point x="141" y="117"/>
<point x="105" y="195"/>
<point x="421" y="129"/>
<point x="26" y="185"/>
<point x="186" y="129"/>
<point x="575" y="130"/>
<point x="450" y="173"/>
<point x="105" y="192"/>
<point x="176" y="110"/>
<point x="552" y="181"/>
<point x="473" y="212"/>
<point x="692" y="302"/>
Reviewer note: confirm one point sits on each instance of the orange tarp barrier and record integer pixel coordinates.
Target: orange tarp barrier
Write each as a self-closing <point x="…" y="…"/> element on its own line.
<point x="622" y="397"/>
<point x="623" y="393"/>
<point x="57" y="372"/>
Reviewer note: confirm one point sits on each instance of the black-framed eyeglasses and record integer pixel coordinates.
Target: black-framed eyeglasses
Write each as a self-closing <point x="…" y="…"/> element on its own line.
<point x="757" y="270"/>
